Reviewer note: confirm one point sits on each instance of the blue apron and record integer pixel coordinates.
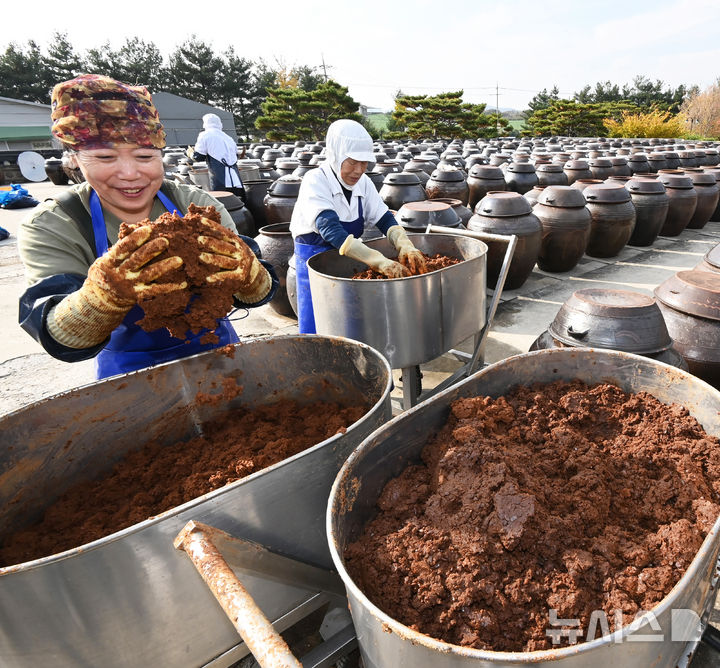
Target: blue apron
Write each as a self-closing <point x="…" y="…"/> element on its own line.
<point x="131" y="348"/>
<point x="303" y="252"/>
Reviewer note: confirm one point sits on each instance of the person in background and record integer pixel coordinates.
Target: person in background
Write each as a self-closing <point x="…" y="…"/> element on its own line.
<point x="69" y="245"/>
<point x="334" y="204"/>
<point x="220" y="152"/>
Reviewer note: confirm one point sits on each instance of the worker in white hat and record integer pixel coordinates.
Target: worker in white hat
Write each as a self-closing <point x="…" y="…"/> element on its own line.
<point x="334" y="204"/>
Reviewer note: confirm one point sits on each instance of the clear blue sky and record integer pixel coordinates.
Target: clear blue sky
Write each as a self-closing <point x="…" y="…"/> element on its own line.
<point x="420" y="46"/>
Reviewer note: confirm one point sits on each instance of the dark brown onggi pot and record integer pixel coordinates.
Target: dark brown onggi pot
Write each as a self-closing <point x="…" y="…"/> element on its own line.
<point x="638" y="163"/>
<point x="448" y="182"/>
<point x="651" y="208"/>
<point x="672" y="160"/>
<point x="711" y="260"/>
<point x="683" y="200"/>
<point x="613" y="219"/>
<point x="463" y="212"/>
<point x="56" y="173"/>
<point x="715" y="171"/>
<point x="508" y="213"/>
<point x="687" y="159"/>
<point x="276" y="245"/>
<point x="620" y="166"/>
<point x="565" y="222"/>
<point x="400" y="188"/>
<point x="532" y="195"/>
<point x="601" y="168"/>
<point x="422" y="175"/>
<point x="708" y="194"/>
<point x="690" y="302"/>
<point x="280" y="200"/>
<point x="377" y="179"/>
<point x="483" y="179"/>
<point x="243" y="219"/>
<point x="255" y="192"/>
<point x="416" y="216"/>
<point x="551" y="174"/>
<point x="576" y="170"/>
<point x="611" y="319"/>
<point x="386" y="168"/>
<point x="657" y="161"/>
<point x="521" y="177"/>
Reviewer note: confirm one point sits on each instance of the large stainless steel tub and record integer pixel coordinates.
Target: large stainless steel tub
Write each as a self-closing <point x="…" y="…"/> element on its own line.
<point x="383" y="455"/>
<point x="410" y="320"/>
<point x="131" y="599"/>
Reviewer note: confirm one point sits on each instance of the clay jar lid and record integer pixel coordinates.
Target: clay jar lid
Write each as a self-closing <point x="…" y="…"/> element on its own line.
<point x="620" y="160"/>
<point x="677" y="180"/>
<point x="645" y="186"/>
<point x="694" y="292"/>
<point x="606" y="193"/>
<point x="701" y="178"/>
<point x="712" y="257"/>
<point x="562" y="196"/>
<point x="448" y="175"/>
<point x="286" y="186"/>
<point x="582" y="184"/>
<point x="549" y="167"/>
<point x="601" y="162"/>
<point x="498" y="204"/>
<point x="521" y="167"/>
<point x="486" y="172"/>
<point x="401" y="179"/>
<point x="428" y="212"/>
<point x="577" y="164"/>
<point x="614" y="319"/>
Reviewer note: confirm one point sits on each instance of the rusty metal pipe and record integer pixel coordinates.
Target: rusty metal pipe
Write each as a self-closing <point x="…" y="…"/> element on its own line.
<point x="261" y="638"/>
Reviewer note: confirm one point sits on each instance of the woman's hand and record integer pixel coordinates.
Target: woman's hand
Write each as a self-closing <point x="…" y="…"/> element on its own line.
<point x="408" y="255"/>
<point x="357" y="250"/>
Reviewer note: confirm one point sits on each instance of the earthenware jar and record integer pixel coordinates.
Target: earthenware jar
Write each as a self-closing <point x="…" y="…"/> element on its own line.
<point x="421" y="174"/>
<point x="463" y="212"/>
<point x="672" y="160"/>
<point x="683" y="201"/>
<point x="520" y="177"/>
<point x="657" y="161"/>
<point x="577" y="169"/>
<point x="400" y="188"/>
<point x="508" y="213"/>
<point x="638" y="163"/>
<point x="427" y="165"/>
<point x="243" y="219"/>
<point x="651" y="207"/>
<point x="377" y="178"/>
<point x="481" y="180"/>
<point x="286" y="166"/>
<point x="601" y="168"/>
<point x="301" y="169"/>
<point x="532" y="195"/>
<point x="55" y="172"/>
<point x="565" y="222"/>
<point x="707" y="199"/>
<point x="687" y="159"/>
<point x="715" y="171"/>
<point x="620" y="166"/>
<point x="474" y="159"/>
<point x="386" y="168"/>
<point x="447" y="182"/>
<point x="612" y="319"/>
<point x="276" y="245"/>
<point x="690" y="302"/>
<point x="416" y="216"/>
<point x="255" y="192"/>
<point x="551" y="174"/>
<point x="711" y="260"/>
<point x="281" y="198"/>
<point x="613" y="219"/>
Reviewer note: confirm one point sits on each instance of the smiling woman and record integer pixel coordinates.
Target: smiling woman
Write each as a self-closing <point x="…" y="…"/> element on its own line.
<point x="80" y="276"/>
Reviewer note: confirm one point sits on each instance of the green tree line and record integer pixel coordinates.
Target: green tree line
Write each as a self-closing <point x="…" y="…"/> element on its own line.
<point x="193" y="70"/>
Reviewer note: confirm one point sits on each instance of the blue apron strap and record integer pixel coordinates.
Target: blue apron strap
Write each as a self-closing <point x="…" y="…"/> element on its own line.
<point x="98" y="223"/>
<point x="167" y="203"/>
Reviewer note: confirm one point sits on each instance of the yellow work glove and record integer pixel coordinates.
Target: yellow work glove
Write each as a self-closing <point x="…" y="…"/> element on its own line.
<point x="234" y="259"/>
<point x="113" y="286"/>
<point x="408" y="255"/>
<point x="357" y="250"/>
<point x="190" y="153"/>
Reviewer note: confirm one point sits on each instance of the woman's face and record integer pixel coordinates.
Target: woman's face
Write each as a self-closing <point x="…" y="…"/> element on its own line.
<point x="126" y="178"/>
<point x="351" y="171"/>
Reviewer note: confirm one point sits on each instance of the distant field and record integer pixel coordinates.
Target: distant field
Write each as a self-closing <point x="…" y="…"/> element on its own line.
<point x="379" y="121"/>
<point x="517" y="124"/>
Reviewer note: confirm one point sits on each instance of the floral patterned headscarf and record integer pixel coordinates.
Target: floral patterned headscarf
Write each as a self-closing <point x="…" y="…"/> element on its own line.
<point x="94" y="111"/>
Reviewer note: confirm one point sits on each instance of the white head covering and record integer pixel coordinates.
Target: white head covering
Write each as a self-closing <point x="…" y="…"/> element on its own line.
<point x="347" y="139"/>
<point x="212" y="121"/>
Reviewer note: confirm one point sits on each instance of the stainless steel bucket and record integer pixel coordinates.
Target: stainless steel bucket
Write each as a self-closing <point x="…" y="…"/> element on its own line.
<point x="132" y="599"/>
<point x="383" y="455"/>
<point x="410" y="320"/>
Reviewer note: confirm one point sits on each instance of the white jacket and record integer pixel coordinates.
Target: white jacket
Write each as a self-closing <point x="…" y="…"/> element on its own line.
<point x="320" y="190"/>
